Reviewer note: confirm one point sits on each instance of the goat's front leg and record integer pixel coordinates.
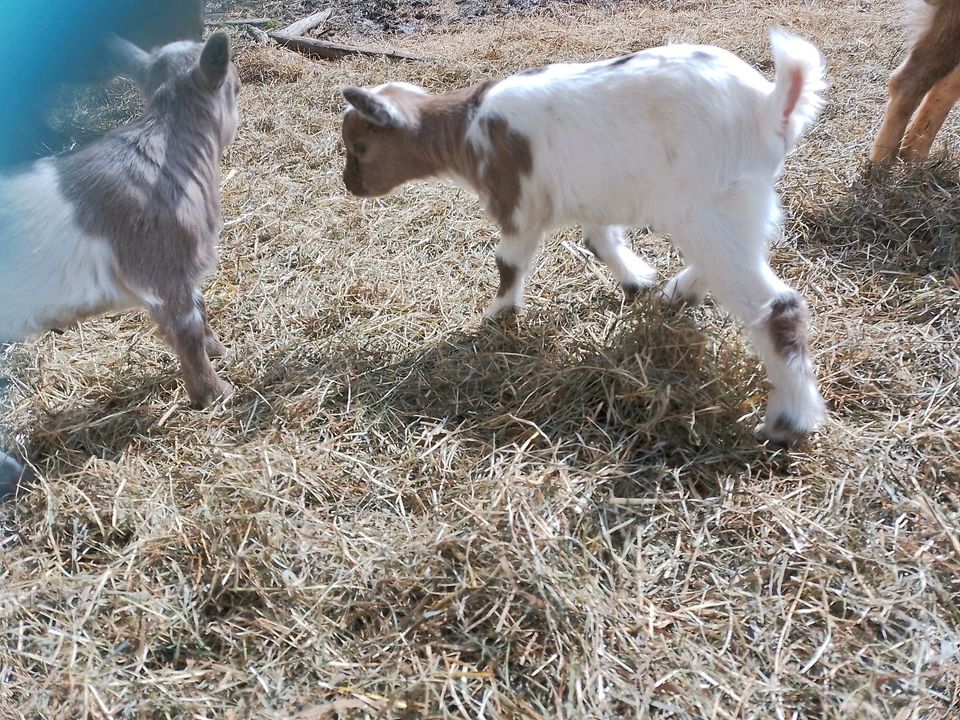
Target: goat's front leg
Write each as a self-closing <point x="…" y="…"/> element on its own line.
<point x="212" y="344"/>
<point x="181" y="323"/>
<point x="930" y="117"/>
<point x="514" y="257"/>
<point x="609" y="244"/>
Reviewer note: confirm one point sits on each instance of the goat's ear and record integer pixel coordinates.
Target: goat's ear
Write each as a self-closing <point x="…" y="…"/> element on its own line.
<point x="215" y="59"/>
<point x="128" y="60"/>
<point x="375" y="108"/>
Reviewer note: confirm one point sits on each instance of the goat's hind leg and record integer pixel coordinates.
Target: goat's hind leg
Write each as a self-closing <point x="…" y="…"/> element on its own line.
<point x="730" y="250"/>
<point x="776" y="320"/>
<point x="181" y="323"/>
<point x="609" y="244"/>
<point x="930" y="60"/>
<point x="930" y="117"/>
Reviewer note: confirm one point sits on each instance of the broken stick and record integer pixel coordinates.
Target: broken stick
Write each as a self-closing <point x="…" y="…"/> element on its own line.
<point x="334" y="51"/>
<point x="301" y="27"/>
<point x="258" y="35"/>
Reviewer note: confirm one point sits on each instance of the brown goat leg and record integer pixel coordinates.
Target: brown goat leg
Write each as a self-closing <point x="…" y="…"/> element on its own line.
<point x="934" y="55"/>
<point x="930" y="117"/>
<point x="182" y="324"/>
<point x="212" y="343"/>
<point x="908" y="84"/>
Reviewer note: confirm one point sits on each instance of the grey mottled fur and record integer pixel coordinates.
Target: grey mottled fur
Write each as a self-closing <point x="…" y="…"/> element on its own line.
<point x="152" y="189"/>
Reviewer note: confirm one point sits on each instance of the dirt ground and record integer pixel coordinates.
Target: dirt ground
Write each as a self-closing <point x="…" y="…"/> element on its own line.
<point x="408" y="513"/>
<point x="389" y="16"/>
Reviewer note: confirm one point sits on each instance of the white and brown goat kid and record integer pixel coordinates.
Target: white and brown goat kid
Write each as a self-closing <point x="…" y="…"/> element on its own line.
<point x="686" y="139"/>
<point x="132" y="219"/>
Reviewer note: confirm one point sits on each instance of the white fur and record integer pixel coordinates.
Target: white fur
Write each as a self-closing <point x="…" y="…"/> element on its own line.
<point x="49" y="268"/>
<point x="918" y="17"/>
<point x="687" y="139"/>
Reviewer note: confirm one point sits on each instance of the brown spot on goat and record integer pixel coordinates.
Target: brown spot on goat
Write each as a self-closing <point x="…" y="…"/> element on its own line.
<point x="508" y="277"/>
<point x="622" y="60"/>
<point x="934" y="55"/>
<point x="787" y="325"/>
<point x="508" y="161"/>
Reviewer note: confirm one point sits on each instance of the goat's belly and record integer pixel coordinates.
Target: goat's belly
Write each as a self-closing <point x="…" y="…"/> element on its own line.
<point x="631" y="205"/>
<point x="42" y="291"/>
<point x="51" y="272"/>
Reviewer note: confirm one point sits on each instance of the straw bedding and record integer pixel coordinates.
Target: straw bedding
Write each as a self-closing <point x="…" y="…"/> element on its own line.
<point x="407" y="513"/>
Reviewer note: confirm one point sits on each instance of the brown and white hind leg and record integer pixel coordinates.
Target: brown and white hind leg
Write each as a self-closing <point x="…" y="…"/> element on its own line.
<point x="181" y="323"/>
<point x="609" y="244"/>
<point x="514" y="257"/>
<point x="776" y="320"/>
<point x="726" y="246"/>
<point x="212" y="344"/>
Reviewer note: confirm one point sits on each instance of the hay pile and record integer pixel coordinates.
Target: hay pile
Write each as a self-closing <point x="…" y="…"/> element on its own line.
<point x="407" y="513"/>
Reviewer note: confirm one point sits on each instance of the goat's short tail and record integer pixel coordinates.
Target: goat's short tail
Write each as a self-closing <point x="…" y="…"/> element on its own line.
<point x="795" y="99"/>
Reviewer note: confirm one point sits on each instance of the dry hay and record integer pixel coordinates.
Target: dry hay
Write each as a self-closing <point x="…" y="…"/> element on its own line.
<point x="407" y="513"/>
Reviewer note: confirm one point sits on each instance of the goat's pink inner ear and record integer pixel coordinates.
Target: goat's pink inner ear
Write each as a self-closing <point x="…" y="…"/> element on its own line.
<point x="215" y="59"/>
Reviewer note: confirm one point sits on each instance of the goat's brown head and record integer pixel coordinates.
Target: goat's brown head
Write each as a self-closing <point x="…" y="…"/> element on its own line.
<point x="183" y="71"/>
<point x="381" y="136"/>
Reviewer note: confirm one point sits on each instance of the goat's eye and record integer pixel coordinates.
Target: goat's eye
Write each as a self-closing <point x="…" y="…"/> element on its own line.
<point x="359" y="148"/>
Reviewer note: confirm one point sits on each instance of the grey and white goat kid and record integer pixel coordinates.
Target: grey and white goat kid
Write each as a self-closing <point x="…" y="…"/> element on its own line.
<point x="131" y="220"/>
<point x="686" y="139"/>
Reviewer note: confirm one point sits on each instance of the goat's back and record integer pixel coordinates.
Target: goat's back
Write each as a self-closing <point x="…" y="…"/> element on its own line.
<point x="613" y="141"/>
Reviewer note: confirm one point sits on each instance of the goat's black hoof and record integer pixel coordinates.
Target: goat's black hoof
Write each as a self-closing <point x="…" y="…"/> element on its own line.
<point x="13" y="477"/>
<point x="781" y="434"/>
<point x="631" y="293"/>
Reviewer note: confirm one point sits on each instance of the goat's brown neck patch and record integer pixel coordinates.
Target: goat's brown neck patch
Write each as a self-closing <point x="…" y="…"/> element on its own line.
<point x="497" y="169"/>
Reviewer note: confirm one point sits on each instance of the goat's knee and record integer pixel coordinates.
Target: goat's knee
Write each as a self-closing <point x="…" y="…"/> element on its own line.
<point x="609" y="245"/>
<point x="212" y="344"/>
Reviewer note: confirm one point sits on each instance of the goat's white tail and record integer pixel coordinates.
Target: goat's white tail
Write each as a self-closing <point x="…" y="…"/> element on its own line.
<point x="795" y="102"/>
